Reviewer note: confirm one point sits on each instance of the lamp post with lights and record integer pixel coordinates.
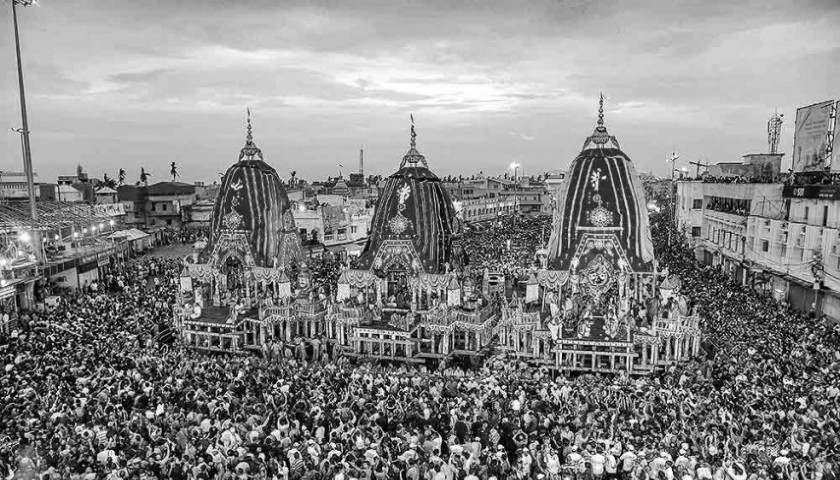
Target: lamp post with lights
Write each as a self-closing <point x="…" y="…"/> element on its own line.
<point x="673" y="193"/>
<point x="27" y="151"/>
<point x="515" y="166"/>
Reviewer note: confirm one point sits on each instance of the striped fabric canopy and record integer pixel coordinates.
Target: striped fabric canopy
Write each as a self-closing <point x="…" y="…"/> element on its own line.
<point x="252" y="200"/>
<point x="415" y="207"/>
<point x="602" y="199"/>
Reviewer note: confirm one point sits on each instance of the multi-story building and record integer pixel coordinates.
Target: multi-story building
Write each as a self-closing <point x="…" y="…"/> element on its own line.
<point x="528" y="198"/>
<point x="481" y="194"/>
<point x="106" y="195"/>
<point x="482" y="186"/>
<point x="169" y="203"/>
<point x="780" y="238"/>
<point x="343" y="226"/>
<point x="482" y="209"/>
<point x="799" y="251"/>
<point x="164" y="204"/>
<point x="13" y="186"/>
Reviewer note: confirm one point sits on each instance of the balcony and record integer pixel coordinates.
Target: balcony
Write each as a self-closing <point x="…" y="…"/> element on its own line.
<point x="727" y="217"/>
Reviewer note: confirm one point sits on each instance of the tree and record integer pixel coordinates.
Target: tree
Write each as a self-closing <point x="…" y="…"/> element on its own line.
<point x="144" y="177"/>
<point x="292" y="180"/>
<point x="121" y="177"/>
<point x="173" y="170"/>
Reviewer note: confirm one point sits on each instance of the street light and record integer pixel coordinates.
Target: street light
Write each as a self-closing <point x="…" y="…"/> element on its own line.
<point x="515" y="166"/>
<point x="673" y="159"/>
<point x="27" y="152"/>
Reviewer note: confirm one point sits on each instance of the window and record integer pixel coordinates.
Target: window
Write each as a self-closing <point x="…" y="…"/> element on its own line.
<point x="696" y="231"/>
<point x="302" y="231"/>
<point x="825" y="216"/>
<point x="698" y="204"/>
<point x="806" y="213"/>
<point x="164" y="207"/>
<point x="765" y="246"/>
<point x="353" y="228"/>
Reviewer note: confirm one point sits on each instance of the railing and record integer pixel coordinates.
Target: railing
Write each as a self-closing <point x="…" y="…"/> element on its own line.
<point x="741" y="178"/>
<point x="814" y="178"/>
<point x="475" y="318"/>
<point x="282" y="311"/>
<point x="730" y="210"/>
<point x="311" y="308"/>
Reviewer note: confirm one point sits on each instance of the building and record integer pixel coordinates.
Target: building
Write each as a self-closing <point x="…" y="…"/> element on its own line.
<point x="106" y="195"/>
<point x="69" y="193"/>
<point x="482" y="194"/>
<point x="13" y="186"/>
<point x="336" y="227"/>
<point x="206" y="192"/>
<point x="528" y="197"/>
<point x="483" y="209"/>
<point x="169" y="204"/>
<point x="200" y="213"/>
<point x="776" y="233"/>
<point x="552" y="181"/>
<point x="724" y="211"/>
<point x="796" y="254"/>
<point x="489" y="187"/>
<point x="164" y="204"/>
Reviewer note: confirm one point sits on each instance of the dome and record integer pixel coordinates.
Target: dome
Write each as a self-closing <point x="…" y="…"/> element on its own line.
<point x="601" y="209"/>
<point x="252" y="201"/>
<point x="415" y="212"/>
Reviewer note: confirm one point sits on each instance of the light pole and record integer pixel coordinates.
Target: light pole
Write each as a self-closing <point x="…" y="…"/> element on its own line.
<point x="27" y="153"/>
<point x="673" y="159"/>
<point x="515" y="166"/>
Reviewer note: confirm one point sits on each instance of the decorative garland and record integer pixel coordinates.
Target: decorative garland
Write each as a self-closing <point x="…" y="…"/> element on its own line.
<point x="359" y="278"/>
<point x="552" y="279"/>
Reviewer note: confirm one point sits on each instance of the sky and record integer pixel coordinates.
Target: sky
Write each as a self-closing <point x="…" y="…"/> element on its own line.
<point x="126" y="83"/>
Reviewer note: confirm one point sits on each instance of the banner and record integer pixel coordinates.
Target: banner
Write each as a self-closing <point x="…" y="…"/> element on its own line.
<point x="810" y="137"/>
<point x="186" y="284"/>
<point x="109" y="209"/>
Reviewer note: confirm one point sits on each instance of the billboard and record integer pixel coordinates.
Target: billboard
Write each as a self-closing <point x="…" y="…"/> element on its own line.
<point x="810" y="137"/>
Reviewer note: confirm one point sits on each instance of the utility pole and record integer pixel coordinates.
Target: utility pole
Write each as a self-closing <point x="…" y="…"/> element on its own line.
<point x="699" y="164"/>
<point x="673" y="159"/>
<point x="515" y="166"/>
<point x="27" y="152"/>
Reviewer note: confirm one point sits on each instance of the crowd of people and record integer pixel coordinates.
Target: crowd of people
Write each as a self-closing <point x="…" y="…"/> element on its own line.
<point x="99" y="388"/>
<point x="506" y="245"/>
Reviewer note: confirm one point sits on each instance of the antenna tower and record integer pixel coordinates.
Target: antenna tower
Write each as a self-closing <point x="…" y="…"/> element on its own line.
<point x="774" y="131"/>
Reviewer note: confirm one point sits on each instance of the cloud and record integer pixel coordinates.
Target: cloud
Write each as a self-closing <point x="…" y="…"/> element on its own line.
<point x="487" y="81"/>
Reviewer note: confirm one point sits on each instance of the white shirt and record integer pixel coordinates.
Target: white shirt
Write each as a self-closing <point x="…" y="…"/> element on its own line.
<point x="598" y="462"/>
<point x="627" y="460"/>
<point x="612" y="463"/>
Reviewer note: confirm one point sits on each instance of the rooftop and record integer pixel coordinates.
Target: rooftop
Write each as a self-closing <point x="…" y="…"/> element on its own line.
<point x="51" y="215"/>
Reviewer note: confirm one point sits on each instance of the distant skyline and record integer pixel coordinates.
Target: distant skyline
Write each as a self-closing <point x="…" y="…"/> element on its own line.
<point x="125" y="84"/>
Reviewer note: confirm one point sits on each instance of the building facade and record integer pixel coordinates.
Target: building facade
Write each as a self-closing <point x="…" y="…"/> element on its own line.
<point x="780" y="239"/>
<point x="164" y="204"/>
<point x="483" y="209"/>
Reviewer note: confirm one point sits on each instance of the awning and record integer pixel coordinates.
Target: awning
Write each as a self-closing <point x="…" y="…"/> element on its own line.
<point x="130" y="235"/>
